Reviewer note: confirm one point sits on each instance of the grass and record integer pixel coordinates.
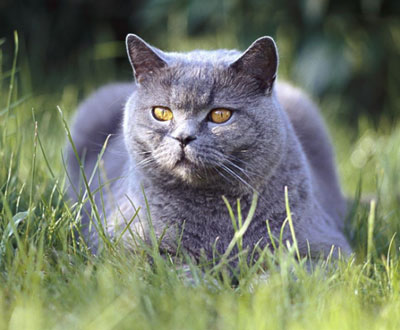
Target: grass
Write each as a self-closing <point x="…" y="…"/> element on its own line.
<point x="48" y="279"/>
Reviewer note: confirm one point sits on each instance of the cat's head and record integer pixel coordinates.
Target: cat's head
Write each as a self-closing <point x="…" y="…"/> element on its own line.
<point x="204" y="117"/>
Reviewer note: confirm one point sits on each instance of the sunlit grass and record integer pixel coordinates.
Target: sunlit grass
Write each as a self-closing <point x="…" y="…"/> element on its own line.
<point x="49" y="279"/>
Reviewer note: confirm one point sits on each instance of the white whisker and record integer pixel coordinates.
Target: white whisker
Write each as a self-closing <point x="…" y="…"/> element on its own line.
<point x="237" y="177"/>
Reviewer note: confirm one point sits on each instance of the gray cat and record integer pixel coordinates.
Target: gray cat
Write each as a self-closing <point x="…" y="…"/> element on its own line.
<point x="200" y="125"/>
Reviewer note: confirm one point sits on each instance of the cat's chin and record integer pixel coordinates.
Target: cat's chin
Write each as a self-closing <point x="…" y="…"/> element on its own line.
<point x="185" y="166"/>
<point x="192" y="174"/>
<point x="188" y="172"/>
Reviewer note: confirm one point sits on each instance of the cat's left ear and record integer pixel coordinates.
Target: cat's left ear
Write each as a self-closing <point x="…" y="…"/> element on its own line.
<point x="260" y="61"/>
<point x="145" y="60"/>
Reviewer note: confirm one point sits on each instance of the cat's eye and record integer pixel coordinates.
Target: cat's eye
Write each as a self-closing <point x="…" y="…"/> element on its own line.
<point x="220" y="115"/>
<point x="162" y="113"/>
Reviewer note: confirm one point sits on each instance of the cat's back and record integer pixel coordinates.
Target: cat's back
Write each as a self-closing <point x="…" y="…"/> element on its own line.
<point x="97" y="117"/>
<point x="101" y="113"/>
<point x="312" y="134"/>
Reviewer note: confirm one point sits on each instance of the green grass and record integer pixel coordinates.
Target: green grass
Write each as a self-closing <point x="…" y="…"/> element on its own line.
<point x="48" y="279"/>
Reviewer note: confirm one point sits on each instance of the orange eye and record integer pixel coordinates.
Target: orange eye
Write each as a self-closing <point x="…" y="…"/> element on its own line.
<point x="162" y="114"/>
<point x="220" y="116"/>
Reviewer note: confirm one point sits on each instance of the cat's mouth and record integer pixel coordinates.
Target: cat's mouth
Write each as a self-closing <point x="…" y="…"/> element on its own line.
<point x="188" y="169"/>
<point x="184" y="161"/>
<point x="185" y="164"/>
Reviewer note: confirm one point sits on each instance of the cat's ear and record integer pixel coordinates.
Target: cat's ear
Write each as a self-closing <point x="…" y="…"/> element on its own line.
<point x="260" y="61"/>
<point x="144" y="59"/>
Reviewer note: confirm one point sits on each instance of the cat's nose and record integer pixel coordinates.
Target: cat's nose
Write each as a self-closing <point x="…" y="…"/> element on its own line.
<point x="185" y="139"/>
<point x="185" y="132"/>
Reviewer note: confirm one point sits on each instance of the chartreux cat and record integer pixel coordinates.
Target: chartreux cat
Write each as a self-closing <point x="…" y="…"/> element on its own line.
<point x="200" y="125"/>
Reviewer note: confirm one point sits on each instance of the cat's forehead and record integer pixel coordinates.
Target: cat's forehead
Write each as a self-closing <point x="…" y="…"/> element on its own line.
<point x="198" y="80"/>
<point x="191" y="87"/>
<point x="194" y="79"/>
<point x="219" y="56"/>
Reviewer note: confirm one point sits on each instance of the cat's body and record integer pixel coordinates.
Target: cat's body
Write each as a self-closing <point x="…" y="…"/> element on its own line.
<point x="274" y="137"/>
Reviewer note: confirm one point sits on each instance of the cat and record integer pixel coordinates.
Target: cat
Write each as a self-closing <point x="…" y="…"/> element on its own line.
<point x="194" y="127"/>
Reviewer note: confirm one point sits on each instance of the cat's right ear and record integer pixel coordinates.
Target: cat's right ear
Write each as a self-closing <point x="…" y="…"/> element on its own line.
<point x="144" y="59"/>
<point x="260" y="61"/>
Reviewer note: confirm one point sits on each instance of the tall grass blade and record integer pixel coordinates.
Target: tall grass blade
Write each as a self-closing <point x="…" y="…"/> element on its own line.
<point x="371" y="223"/>
<point x="290" y="220"/>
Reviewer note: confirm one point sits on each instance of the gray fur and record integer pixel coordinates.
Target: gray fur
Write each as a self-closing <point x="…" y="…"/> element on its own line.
<point x="275" y="138"/>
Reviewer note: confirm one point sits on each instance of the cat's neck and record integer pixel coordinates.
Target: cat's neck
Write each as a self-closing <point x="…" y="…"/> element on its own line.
<point x="179" y="190"/>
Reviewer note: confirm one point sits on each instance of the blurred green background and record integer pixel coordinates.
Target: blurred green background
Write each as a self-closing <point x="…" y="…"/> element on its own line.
<point x="344" y="52"/>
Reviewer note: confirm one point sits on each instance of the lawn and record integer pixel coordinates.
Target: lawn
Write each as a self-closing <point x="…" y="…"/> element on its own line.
<point x="48" y="278"/>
